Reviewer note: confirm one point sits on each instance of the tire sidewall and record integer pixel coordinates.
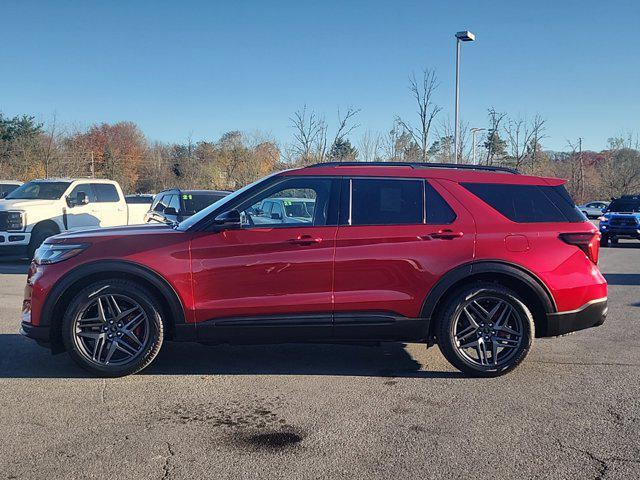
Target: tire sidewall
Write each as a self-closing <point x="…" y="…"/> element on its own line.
<point x="454" y="307"/>
<point x="126" y="288"/>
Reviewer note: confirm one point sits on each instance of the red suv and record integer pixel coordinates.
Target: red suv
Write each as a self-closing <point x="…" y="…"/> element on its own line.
<point x="479" y="260"/>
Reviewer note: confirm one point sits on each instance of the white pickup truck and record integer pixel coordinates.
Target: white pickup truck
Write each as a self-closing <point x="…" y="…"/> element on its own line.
<point x="42" y="208"/>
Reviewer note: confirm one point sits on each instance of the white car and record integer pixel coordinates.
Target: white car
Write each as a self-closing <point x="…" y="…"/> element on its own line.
<point x="138" y="206"/>
<point x="42" y="208"/>
<point x="593" y="209"/>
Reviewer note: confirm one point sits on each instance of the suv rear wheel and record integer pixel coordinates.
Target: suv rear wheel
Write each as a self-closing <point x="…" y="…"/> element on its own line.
<point x="113" y="328"/>
<point x="485" y="330"/>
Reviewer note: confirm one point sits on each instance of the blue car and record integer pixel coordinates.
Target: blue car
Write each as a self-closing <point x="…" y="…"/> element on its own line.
<point x="621" y="219"/>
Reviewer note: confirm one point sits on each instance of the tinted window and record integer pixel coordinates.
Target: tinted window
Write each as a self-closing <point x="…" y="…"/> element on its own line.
<point x="528" y="203"/>
<point x="7" y="188"/>
<point x="139" y="199"/>
<point x="194" y="202"/>
<point x="106" y="192"/>
<point x="438" y="210"/>
<point x="386" y="202"/>
<point x="86" y="188"/>
<point x="621" y="205"/>
<point x="39" y="191"/>
<point x="174" y="202"/>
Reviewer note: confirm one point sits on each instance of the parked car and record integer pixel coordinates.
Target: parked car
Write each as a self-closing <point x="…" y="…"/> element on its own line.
<point x="138" y="206"/>
<point x="174" y="205"/>
<point x="40" y="209"/>
<point x="479" y="260"/>
<point x="284" y="210"/>
<point x="8" y="186"/>
<point x="593" y="209"/>
<point x="620" y="220"/>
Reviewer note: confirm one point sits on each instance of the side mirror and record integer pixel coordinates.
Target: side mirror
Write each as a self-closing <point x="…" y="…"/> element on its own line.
<point x="228" y="220"/>
<point x="170" y="211"/>
<point x="276" y="216"/>
<point x="3" y="194"/>
<point x="81" y="199"/>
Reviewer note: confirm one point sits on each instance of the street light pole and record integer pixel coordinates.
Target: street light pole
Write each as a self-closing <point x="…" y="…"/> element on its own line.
<point x="473" y="139"/>
<point x="465" y="36"/>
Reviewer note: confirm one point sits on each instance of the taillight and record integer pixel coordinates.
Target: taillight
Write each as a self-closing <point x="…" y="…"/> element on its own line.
<point x="588" y="242"/>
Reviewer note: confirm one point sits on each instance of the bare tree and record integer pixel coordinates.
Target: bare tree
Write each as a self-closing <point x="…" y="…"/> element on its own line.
<point x="309" y="134"/>
<point x="370" y="146"/>
<point x="523" y="139"/>
<point x="422" y="92"/>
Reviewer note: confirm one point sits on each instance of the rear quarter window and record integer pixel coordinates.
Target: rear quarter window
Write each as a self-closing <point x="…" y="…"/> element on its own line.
<point x="528" y="203"/>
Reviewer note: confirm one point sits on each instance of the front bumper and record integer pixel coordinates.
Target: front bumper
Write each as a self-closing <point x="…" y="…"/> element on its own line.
<point x="38" y="333"/>
<point x="592" y="314"/>
<point x="14" y="245"/>
<point x="620" y="231"/>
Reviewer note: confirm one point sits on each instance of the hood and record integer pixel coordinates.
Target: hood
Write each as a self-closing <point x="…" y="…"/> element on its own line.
<point x="110" y="232"/>
<point x="18" y="204"/>
<point x="621" y="214"/>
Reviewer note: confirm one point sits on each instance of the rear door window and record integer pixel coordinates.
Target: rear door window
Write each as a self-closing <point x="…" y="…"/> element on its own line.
<point x="528" y="203"/>
<point x="106" y="192"/>
<point x="377" y="201"/>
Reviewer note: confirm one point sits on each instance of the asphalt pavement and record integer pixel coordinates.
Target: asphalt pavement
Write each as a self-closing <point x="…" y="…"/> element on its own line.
<point x="571" y="410"/>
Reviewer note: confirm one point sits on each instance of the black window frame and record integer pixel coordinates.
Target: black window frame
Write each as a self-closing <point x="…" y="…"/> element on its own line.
<point x="247" y="201"/>
<point x="86" y="188"/>
<point x="346" y="201"/>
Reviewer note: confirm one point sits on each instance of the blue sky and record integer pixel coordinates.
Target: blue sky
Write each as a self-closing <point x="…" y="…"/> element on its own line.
<point x="203" y="68"/>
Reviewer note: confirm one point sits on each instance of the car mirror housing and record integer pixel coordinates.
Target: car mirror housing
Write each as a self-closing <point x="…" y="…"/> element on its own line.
<point x="170" y="211"/>
<point x="228" y="220"/>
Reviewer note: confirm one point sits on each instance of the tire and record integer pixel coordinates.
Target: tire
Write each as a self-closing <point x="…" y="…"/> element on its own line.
<point x="37" y="239"/>
<point x="477" y="300"/>
<point x="89" y="337"/>
<point x="604" y="241"/>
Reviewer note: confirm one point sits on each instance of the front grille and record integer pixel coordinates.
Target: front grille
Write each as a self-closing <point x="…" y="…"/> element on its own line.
<point x="623" y="222"/>
<point x="3" y="221"/>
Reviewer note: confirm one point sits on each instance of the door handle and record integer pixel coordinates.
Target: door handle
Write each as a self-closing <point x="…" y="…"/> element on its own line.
<point x="444" y="233"/>
<point x="304" y="240"/>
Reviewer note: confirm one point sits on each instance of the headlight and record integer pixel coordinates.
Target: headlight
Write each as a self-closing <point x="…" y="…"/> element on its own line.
<point x="49" y="253"/>
<point x="16" y="221"/>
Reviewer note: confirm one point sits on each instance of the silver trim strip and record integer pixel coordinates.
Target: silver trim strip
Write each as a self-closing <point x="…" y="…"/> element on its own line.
<point x="577" y="310"/>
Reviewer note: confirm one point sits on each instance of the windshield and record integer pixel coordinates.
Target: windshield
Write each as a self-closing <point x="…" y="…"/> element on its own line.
<point x="194" y="202"/>
<point x="624" y="205"/>
<point x="191" y="221"/>
<point x="39" y="191"/>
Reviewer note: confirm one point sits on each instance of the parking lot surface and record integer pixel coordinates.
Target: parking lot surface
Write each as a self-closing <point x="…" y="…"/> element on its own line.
<point x="571" y="410"/>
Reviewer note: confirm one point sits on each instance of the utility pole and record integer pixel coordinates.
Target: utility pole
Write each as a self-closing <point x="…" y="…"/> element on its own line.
<point x="93" y="171"/>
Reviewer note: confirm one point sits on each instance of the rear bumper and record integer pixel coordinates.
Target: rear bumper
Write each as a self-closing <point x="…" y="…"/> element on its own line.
<point x="592" y="314"/>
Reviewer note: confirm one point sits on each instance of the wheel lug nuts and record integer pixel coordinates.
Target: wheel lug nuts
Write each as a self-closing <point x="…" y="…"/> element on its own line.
<point x="119" y="334"/>
<point x="110" y="335"/>
<point x="119" y="325"/>
<point x="110" y="322"/>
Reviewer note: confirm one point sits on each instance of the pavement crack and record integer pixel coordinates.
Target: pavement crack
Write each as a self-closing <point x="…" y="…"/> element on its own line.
<point x="602" y="463"/>
<point x="166" y="468"/>
<point x="103" y="392"/>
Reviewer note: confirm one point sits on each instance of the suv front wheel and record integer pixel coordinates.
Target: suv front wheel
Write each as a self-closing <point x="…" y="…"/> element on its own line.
<point x="113" y="328"/>
<point x="485" y="330"/>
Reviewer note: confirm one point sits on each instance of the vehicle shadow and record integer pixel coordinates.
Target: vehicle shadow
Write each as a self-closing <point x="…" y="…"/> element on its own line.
<point x="22" y="358"/>
<point x="622" y="278"/>
<point x="14" y="267"/>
